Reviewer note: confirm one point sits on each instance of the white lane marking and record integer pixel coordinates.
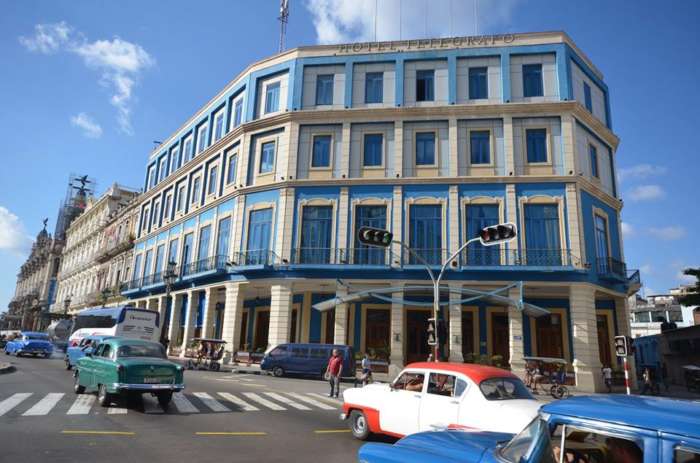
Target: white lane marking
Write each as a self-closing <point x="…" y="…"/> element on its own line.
<point x="287" y="400"/>
<point x="325" y="397"/>
<point x="116" y="411"/>
<point x="262" y="401"/>
<point x="211" y="402"/>
<point x="238" y="401"/>
<point x="247" y="379"/>
<point x="44" y="406"/>
<point x="12" y="401"/>
<point x="183" y="404"/>
<point x="151" y="406"/>
<point x="309" y="400"/>
<point x="82" y="405"/>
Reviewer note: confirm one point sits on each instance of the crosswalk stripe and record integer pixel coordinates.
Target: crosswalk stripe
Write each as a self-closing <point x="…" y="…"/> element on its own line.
<point x="45" y="405"/>
<point x="238" y="401"/>
<point x="82" y="405"/>
<point x="326" y="398"/>
<point x="287" y="401"/>
<point x="12" y="401"/>
<point x="262" y="401"/>
<point x="309" y="400"/>
<point x="211" y="402"/>
<point x="183" y="404"/>
<point x="151" y="406"/>
<point x="116" y="411"/>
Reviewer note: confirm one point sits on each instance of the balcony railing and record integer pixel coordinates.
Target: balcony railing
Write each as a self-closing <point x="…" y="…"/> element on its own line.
<point x="213" y="263"/>
<point x="113" y="247"/>
<point x="330" y="256"/>
<point x="255" y="257"/>
<point x="494" y="256"/>
<point x="611" y="269"/>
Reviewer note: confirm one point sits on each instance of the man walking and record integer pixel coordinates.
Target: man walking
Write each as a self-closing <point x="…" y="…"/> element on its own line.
<point x="334" y="370"/>
<point x="607" y="376"/>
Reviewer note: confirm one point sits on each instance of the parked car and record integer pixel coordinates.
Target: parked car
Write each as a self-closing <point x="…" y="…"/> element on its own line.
<point x="600" y="429"/>
<point x="86" y="345"/>
<point x="121" y="366"/>
<point x="306" y="359"/>
<point x="30" y="343"/>
<point x="440" y="395"/>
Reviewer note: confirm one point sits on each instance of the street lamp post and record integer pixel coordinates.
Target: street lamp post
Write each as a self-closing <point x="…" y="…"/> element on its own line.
<point x="169" y="278"/>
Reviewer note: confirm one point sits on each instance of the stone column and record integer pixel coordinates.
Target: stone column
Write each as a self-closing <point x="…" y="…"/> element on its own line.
<point x="396" y="226"/>
<point x="340" y="334"/>
<point x="508" y="145"/>
<point x="396" y="360"/>
<point x="174" y="326"/>
<point x="398" y="150"/>
<point x="454" y="147"/>
<point x="585" y="335"/>
<point x="453" y="221"/>
<point x="516" y="342"/>
<point x="162" y="309"/>
<point x="190" y="315"/>
<point x="209" y="312"/>
<point x="622" y="317"/>
<point x="455" y="323"/>
<point x="573" y="210"/>
<point x="231" y="332"/>
<point x="280" y="313"/>
<point x="345" y="151"/>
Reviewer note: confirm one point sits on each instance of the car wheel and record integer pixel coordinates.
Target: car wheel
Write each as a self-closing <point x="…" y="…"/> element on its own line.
<point x="278" y="372"/>
<point x="358" y="425"/>
<point x="215" y="366"/>
<point x="104" y="398"/>
<point x="77" y="388"/>
<point x="164" y="398"/>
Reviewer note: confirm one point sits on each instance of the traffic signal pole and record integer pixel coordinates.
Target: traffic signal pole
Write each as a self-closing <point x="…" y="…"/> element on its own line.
<point x="627" y="375"/>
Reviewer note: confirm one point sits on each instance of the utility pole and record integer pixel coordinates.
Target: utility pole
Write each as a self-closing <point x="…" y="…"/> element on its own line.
<point x="283" y="18"/>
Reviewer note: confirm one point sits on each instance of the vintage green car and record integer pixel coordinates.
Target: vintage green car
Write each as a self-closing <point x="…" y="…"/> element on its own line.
<point x="121" y="366"/>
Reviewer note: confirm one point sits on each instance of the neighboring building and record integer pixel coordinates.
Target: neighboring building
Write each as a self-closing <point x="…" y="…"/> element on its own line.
<point x="691" y="314"/>
<point x="647" y="315"/>
<point x="81" y="278"/>
<point x="674" y="348"/>
<point x="259" y="195"/>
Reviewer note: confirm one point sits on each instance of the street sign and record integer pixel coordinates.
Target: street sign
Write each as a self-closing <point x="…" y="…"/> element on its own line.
<point x="374" y="237"/>
<point x="432" y="341"/>
<point x="621" y="346"/>
<point x="497" y="234"/>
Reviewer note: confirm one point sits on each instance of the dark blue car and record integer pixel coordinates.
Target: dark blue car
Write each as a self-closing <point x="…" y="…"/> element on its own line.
<point x="599" y="429"/>
<point x="86" y="346"/>
<point x="30" y="343"/>
<point x="306" y="359"/>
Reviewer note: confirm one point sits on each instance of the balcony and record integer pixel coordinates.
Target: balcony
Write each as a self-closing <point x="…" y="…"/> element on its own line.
<point x="114" y="247"/>
<point x="328" y="256"/>
<point x="612" y="270"/>
<point x="210" y="264"/>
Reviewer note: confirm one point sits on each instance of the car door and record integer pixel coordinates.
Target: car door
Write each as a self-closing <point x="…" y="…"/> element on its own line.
<point x="400" y="408"/>
<point x="102" y="364"/>
<point x="87" y="368"/>
<point x="439" y="405"/>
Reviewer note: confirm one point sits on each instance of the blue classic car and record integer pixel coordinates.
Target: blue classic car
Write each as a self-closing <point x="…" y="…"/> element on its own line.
<point x="599" y="429"/>
<point x="86" y="346"/>
<point x="30" y="343"/>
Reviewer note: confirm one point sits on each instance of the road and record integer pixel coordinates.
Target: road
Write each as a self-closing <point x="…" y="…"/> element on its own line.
<point x="220" y="417"/>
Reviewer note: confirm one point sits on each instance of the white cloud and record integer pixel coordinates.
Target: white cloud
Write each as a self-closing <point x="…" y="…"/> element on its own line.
<point x="338" y="21"/>
<point x="646" y="193"/>
<point x="640" y="171"/>
<point x="669" y="233"/>
<point x="627" y="229"/>
<point x="13" y="236"/>
<point x="91" y="129"/>
<point x="646" y="269"/>
<point x="120" y="62"/>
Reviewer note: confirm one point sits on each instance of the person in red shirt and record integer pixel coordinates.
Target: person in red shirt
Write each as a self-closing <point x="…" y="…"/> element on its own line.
<point x="334" y="370"/>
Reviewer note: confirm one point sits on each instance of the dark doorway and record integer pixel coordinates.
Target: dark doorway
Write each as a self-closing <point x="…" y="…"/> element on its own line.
<point x="262" y="329"/>
<point x="417" y="348"/>
<point x="330" y="327"/>
<point x="468" y="335"/>
<point x="499" y="336"/>
<point x="549" y="336"/>
<point x="377" y="326"/>
<point x="293" y="327"/>
<point x="243" y="342"/>
<point x="603" y="340"/>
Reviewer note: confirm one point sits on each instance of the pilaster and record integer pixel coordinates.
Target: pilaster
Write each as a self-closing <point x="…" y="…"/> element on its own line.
<point x="516" y="342"/>
<point x="455" y="324"/>
<point x="398" y="336"/>
<point x="341" y="318"/>
<point x="512" y="217"/>
<point x="174" y="326"/>
<point x="398" y="149"/>
<point x="568" y="137"/>
<point x="209" y="312"/>
<point x="572" y="217"/>
<point x="190" y="314"/>
<point x="345" y="151"/>
<point x="292" y="150"/>
<point x="343" y="242"/>
<point x="508" y="146"/>
<point x="453" y="211"/>
<point x="454" y="147"/>
<point x="397" y="226"/>
<point x="586" y="362"/>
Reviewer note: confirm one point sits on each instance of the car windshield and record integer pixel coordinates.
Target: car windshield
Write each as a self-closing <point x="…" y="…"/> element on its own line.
<point x="141" y="350"/>
<point x="504" y="389"/>
<point x="522" y="446"/>
<point x="40" y="337"/>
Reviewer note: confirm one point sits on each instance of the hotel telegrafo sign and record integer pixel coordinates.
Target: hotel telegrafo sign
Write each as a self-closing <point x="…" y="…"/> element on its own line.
<point x="424" y="44"/>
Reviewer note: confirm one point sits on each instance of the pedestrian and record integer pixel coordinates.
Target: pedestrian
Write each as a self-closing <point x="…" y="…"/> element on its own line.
<point x="646" y="377"/>
<point x="366" y="370"/>
<point x="537" y="376"/>
<point x="165" y="342"/>
<point x="334" y="371"/>
<point x="607" y="377"/>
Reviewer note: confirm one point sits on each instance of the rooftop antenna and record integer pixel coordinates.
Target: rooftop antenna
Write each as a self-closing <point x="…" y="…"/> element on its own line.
<point x="476" y="17"/>
<point x="283" y="18"/>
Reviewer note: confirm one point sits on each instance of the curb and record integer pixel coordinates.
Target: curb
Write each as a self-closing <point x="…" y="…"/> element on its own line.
<point x="6" y="368"/>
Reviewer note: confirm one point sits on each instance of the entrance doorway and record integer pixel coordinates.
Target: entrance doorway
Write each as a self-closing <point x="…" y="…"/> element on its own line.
<point x="468" y="335"/>
<point x="377" y="327"/>
<point x="417" y="348"/>
<point x="243" y="343"/>
<point x="550" y="341"/>
<point x="262" y="329"/>
<point x="499" y="336"/>
<point x="604" y="339"/>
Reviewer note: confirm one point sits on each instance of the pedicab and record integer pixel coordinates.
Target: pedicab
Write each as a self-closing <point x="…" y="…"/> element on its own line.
<point x="552" y="371"/>
<point x="204" y="354"/>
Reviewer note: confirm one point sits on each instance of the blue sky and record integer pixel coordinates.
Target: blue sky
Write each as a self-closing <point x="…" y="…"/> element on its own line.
<point x="87" y="86"/>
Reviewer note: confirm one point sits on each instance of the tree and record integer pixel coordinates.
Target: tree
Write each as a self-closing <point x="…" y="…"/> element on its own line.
<point x="693" y="296"/>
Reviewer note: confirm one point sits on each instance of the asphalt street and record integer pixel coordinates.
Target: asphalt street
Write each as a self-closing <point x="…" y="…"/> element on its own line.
<point x="219" y="417"/>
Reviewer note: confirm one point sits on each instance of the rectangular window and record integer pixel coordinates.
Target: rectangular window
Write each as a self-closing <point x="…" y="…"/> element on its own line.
<point x="163" y="168"/>
<point x="267" y="157"/>
<point x="222" y="238"/>
<point x="272" y="96"/>
<point x="166" y="206"/>
<point x="213" y="177"/>
<point x="259" y="231"/>
<point x="315" y="238"/>
<point x="202" y="138"/>
<point x="372" y="156"/>
<point x="601" y="243"/>
<point x="478" y="217"/>
<point x="174" y="159"/>
<point x="369" y="216"/>
<point x="181" y="198"/>
<point x="172" y="251"/>
<point x="187" y="153"/>
<point x="480" y="147"/>
<point x="542" y="234"/>
<point x="425" y="82"/>
<point x="152" y="178"/>
<point x="321" y="154"/>
<point x="478" y="83"/>
<point x="147" y="261"/>
<point x="238" y="112"/>
<point x="425" y="149"/>
<point x="536" y="145"/>
<point x="187" y="253"/>
<point x="156" y="214"/>
<point x="219" y="126"/>
<point x="425" y="233"/>
<point x="196" y="189"/>
<point x="594" y="161"/>
<point x="324" y="89"/>
<point x="587" y="97"/>
<point x="374" y="87"/>
<point x="203" y="247"/>
<point x="231" y="168"/>
<point x="532" y="80"/>
<point x="137" y="267"/>
<point x="160" y="254"/>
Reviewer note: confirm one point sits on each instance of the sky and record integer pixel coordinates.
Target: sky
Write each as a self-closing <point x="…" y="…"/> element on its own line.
<point x="87" y="86"/>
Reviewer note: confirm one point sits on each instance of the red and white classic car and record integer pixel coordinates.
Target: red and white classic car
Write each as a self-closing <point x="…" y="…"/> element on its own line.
<point x="438" y="395"/>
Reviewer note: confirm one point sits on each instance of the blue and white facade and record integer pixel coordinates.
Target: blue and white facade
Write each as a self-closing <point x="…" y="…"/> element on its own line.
<point x="258" y="198"/>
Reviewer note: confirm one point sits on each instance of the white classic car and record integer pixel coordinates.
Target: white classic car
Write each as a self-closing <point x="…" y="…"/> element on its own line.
<point x="438" y="395"/>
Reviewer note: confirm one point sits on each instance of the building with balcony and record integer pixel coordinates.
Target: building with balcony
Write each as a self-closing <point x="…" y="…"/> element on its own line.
<point x="257" y="199"/>
<point x="659" y="312"/>
<point x="97" y="252"/>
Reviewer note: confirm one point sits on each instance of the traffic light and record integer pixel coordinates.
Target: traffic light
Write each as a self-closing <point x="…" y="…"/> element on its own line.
<point x="431" y="332"/>
<point x="497" y="234"/>
<point x="374" y="237"/>
<point x="621" y="346"/>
